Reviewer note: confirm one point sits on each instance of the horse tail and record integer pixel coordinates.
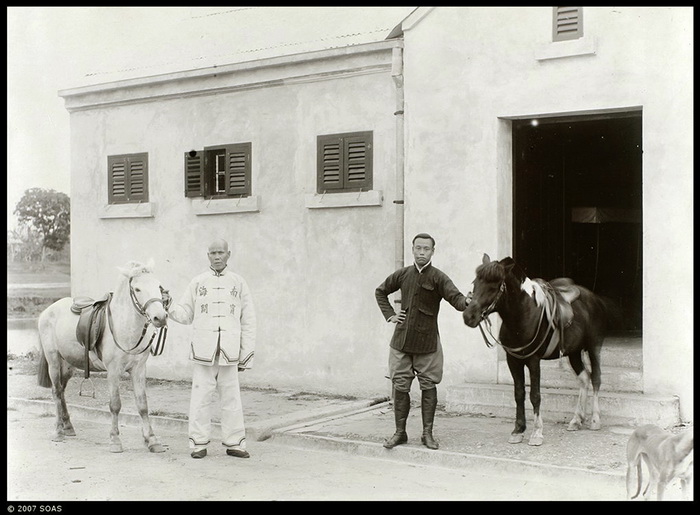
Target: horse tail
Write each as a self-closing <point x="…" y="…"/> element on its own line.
<point x="43" y="378"/>
<point x="42" y="375"/>
<point x="614" y="318"/>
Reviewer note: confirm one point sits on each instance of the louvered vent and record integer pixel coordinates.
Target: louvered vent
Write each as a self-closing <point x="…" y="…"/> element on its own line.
<point x="568" y="23"/>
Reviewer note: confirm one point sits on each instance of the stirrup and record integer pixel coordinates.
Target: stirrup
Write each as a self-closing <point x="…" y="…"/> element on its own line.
<point x="80" y="390"/>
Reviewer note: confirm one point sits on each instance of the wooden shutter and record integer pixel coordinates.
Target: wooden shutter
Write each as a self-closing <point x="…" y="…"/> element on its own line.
<point x="128" y="178"/>
<point x="344" y="162"/>
<point x="358" y="169"/>
<point x="138" y="178"/>
<point x="330" y="163"/>
<point x="194" y="173"/>
<point x="567" y="23"/>
<point x="117" y="179"/>
<point x="238" y="169"/>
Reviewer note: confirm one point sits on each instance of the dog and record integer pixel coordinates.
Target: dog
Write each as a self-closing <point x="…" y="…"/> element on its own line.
<point x="667" y="456"/>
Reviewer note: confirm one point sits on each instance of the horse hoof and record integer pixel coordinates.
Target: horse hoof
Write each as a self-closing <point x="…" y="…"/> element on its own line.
<point x="595" y="426"/>
<point x="536" y="441"/>
<point x="58" y="438"/>
<point x="516" y="438"/>
<point x="156" y="447"/>
<point x="573" y="426"/>
<point x="116" y="448"/>
<point x="69" y="432"/>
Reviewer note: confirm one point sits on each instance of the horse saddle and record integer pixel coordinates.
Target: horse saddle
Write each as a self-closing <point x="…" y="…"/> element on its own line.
<point x="566" y="293"/>
<point x="91" y="324"/>
<point x="559" y="294"/>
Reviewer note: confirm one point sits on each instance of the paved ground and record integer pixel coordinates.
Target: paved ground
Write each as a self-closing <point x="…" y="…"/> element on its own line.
<point x="309" y="423"/>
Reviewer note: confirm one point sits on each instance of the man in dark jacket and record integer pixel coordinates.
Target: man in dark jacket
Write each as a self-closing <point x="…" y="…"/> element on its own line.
<point x="415" y="349"/>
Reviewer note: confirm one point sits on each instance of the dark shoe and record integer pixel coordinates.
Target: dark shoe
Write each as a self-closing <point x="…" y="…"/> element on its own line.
<point x="402" y="405"/>
<point x="428" y="406"/>
<point x="199" y="454"/>
<point x="238" y="453"/>
<point x="397" y="439"/>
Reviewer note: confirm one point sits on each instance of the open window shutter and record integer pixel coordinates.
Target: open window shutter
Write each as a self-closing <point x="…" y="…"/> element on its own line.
<point x="117" y="167"/>
<point x="567" y="23"/>
<point x="238" y="169"/>
<point x="194" y="174"/>
<point x="330" y="163"/>
<point x="358" y="161"/>
<point x="137" y="177"/>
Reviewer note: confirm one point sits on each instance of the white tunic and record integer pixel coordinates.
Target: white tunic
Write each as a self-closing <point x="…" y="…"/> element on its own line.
<point x="220" y="308"/>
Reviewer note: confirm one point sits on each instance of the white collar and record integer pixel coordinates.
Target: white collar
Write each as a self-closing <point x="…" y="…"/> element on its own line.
<point x="420" y="269"/>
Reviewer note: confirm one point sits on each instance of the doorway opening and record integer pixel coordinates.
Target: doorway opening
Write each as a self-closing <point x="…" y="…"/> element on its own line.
<point x="577" y="189"/>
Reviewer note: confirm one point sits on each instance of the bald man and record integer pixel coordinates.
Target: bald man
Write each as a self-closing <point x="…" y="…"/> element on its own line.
<point x="219" y="307"/>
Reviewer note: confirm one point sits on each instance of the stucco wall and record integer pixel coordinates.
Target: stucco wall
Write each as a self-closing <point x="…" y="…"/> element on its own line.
<point x="312" y="272"/>
<point x="469" y="70"/>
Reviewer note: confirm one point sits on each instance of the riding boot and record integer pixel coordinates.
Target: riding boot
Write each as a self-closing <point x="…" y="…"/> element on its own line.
<point x="402" y="404"/>
<point x="428" y="406"/>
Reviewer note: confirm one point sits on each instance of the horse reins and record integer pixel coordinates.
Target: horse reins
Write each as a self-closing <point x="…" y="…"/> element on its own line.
<point x="161" y="332"/>
<point x="486" y="322"/>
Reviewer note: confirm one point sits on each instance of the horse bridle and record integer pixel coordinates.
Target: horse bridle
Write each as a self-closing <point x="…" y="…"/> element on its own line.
<point x="484" y="317"/>
<point x="162" y="331"/>
<point x="484" y="321"/>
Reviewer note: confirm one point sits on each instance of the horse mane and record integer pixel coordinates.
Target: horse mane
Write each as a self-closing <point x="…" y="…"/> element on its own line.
<point x="135" y="268"/>
<point x="497" y="271"/>
<point x="491" y="272"/>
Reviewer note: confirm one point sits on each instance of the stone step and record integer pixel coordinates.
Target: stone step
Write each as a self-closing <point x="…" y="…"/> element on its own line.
<point x="620" y="355"/>
<point x="559" y="374"/>
<point x="558" y="404"/>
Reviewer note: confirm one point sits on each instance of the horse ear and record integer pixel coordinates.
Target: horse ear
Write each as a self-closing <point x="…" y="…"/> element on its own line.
<point x="124" y="271"/>
<point x="486" y="259"/>
<point x="151" y="264"/>
<point x="508" y="262"/>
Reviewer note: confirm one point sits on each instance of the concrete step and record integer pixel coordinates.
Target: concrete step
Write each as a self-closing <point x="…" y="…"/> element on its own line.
<point x="558" y="404"/>
<point x="620" y="355"/>
<point x="559" y="374"/>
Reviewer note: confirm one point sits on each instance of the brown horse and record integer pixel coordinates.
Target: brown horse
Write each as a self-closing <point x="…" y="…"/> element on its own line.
<point x="541" y="320"/>
<point x="136" y="304"/>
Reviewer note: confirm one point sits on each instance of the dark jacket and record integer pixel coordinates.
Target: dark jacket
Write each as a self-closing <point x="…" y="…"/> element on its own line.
<point x="421" y="293"/>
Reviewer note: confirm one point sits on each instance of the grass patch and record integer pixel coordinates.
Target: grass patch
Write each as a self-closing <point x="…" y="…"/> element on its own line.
<point x="27" y="307"/>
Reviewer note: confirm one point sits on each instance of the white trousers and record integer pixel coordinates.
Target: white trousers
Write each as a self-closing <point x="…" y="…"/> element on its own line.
<point x="206" y="380"/>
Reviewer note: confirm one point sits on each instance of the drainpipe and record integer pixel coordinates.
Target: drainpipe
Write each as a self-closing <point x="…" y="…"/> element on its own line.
<point x="397" y="75"/>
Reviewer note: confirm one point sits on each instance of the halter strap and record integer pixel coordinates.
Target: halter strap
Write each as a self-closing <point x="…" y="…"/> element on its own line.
<point x="142" y="311"/>
<point x="514" y="352"/>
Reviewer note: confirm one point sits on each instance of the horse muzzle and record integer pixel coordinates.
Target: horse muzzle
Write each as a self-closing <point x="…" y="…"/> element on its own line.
<point x="472" y="316"/>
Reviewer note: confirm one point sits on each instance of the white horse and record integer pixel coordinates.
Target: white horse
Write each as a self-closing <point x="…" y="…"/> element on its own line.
<point x="137" y="302"/>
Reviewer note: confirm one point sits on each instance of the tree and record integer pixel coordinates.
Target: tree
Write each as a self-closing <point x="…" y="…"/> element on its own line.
<point x="47" y="212"/>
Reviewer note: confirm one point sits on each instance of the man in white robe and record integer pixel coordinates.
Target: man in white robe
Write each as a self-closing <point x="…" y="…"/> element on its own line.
<point x="219" y="306"/>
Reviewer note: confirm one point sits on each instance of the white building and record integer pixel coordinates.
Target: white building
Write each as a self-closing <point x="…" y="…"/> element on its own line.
<point x="493" y="129"/>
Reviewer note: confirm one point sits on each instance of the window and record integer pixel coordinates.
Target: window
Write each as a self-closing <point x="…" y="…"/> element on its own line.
<point x="344" y="162"/>
<point x="567" y="23"/>
<point x="128" y="178"/>
<point x="219" y="171"/>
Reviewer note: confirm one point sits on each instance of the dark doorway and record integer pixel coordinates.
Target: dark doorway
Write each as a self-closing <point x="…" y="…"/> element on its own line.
<point x="578" y="202"/>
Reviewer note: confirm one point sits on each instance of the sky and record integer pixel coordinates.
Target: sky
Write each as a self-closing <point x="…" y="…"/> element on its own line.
<point x="50" y="49"/>
<point x="47" y="49"/>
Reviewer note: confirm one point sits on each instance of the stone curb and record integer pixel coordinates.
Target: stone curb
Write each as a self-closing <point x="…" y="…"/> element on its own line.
<point x="446" y="459"/>
<point x="258" y="430"/>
